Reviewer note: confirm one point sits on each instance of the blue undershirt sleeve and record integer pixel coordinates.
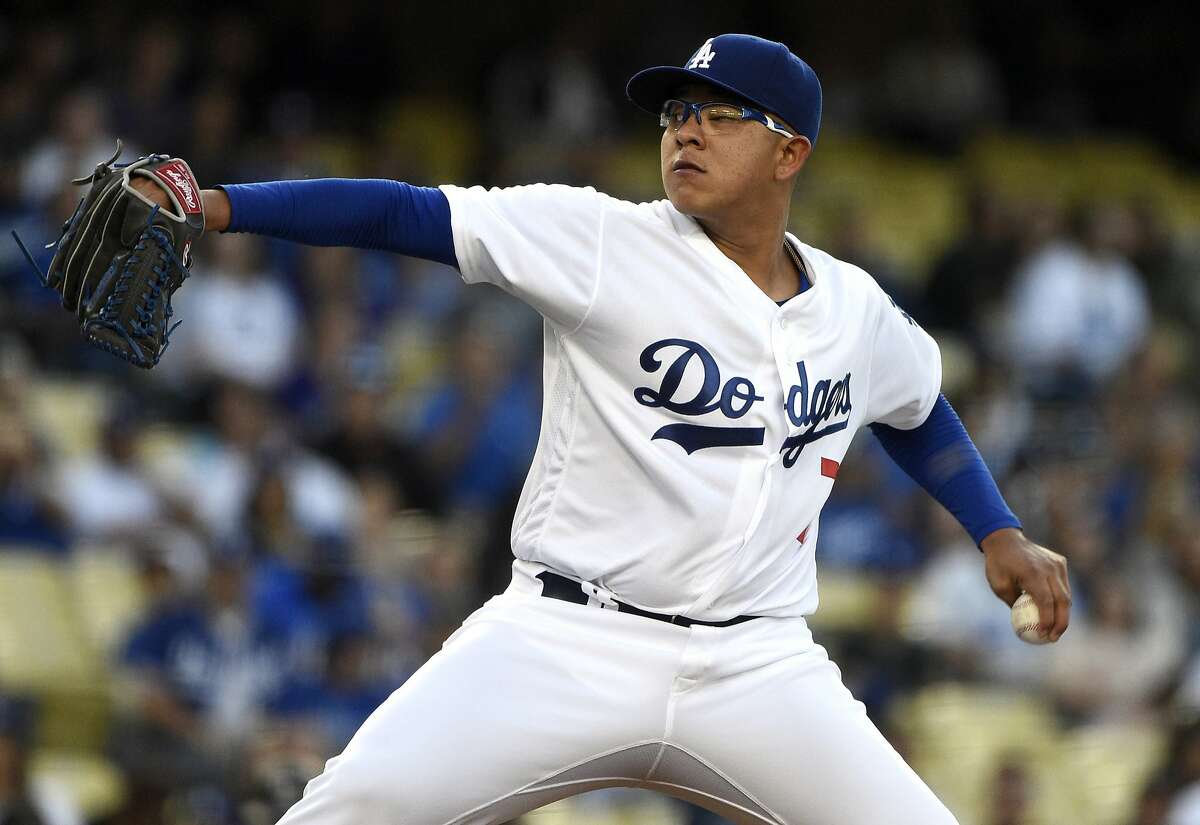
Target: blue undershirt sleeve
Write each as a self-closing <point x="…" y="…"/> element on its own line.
<point x="369" y="214"/>
<point x="940" y="456"/>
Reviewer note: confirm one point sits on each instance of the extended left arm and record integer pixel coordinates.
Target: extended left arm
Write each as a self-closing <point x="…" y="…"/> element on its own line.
<point x="940" y="456"/>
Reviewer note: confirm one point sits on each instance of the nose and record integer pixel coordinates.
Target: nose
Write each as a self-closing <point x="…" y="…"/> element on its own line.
<point x="690" y="132"/>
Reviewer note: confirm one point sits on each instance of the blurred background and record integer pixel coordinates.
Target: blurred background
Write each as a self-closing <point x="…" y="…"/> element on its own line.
<point x="211" y="573"/>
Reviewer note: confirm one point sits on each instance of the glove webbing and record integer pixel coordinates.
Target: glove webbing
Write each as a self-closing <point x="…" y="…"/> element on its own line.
<point x="143" y="325"/>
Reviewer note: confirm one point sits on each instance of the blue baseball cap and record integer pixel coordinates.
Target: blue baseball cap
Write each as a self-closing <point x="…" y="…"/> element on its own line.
<point x="763" y="72"/>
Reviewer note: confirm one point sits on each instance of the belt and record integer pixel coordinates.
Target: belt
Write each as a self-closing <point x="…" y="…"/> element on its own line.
<point x="559" y="587"/>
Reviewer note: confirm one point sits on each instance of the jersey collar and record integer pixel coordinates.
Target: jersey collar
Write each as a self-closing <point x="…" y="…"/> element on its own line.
<point x="743" y="290"/>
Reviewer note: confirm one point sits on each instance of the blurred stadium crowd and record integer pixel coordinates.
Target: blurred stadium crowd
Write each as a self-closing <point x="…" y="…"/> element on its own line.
<point x="211" y="573"/>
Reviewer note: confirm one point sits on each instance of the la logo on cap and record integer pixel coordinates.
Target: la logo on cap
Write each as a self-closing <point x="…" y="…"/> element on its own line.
<point x="703" y="56"/>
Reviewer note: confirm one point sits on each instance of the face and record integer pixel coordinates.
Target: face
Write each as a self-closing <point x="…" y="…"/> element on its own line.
<point x="706" y="175"/>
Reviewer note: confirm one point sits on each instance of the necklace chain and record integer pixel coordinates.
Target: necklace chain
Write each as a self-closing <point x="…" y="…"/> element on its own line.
<point x="796" y="259"/>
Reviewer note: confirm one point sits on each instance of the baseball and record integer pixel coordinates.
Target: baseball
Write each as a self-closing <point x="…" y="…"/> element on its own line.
<point x="1025" y="621"/>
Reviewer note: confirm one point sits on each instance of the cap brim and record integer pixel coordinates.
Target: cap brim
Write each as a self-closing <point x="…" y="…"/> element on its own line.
<point x="650" y="87"/>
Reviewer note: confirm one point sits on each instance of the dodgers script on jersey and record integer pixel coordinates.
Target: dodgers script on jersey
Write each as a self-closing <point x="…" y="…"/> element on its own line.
<point x="692" y="428"/>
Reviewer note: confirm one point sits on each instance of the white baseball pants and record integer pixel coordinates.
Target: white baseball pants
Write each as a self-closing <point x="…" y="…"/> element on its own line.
<point x="535" y="699"/>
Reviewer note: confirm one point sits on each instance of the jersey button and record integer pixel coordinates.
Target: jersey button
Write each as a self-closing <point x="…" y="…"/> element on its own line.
<point x="782" y="323"/>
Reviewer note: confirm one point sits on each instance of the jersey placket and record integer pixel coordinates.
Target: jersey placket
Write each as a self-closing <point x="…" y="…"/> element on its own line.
<point x="780" y="327"/>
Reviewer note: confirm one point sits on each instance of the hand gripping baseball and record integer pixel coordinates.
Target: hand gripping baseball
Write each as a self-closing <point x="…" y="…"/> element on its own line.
<point x="1014" y="564"/>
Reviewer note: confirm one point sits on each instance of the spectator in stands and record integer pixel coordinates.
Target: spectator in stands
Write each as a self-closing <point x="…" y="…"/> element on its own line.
<point x="1170" y="484"/>
<point x="201" y="671"/>
<point x="950" y="613"/>
<point x="1182" y="550"/>
<point x="1123" y="654"/>
<point x="1078" y="309"/>
<point x="107" y="494"/>
<point x="149" y="106"/>
<point x="81" y="138"/>
<point x="17" y="284"/>
<point x="852" y="239"/>
<point x="309" y="595"/>
<point x="970" y="278"/>
<point x="480" y="426"/>
<point x="862" y="525"/>
<point x="16" y="805"/>
<point x="215" y="122"/>
<point x="1011" y="794"/>
<point x="269" y="524"/>
<point x="217" y="472"/>
<point x="242" y="322"/>
<point x="28" y="514"/>
<point x="1183" y="770"/>
<point x="26" y="800"/>
<point x="338" y="699"/>
<point x="1115" y="484"/>
<point x="549" y="96"/>
<point x="998" y="415"/>
<point x="941" y="87"/>
<point x="1152" y="804"/>
<point x="361" y="444"/>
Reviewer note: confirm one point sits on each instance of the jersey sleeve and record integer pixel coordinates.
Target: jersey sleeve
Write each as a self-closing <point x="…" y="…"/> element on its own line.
<point x="906" y="368"/>
<point x="540" y="243"/>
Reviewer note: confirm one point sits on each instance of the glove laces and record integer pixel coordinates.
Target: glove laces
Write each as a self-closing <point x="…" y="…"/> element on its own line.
<point x="155" y="242"/>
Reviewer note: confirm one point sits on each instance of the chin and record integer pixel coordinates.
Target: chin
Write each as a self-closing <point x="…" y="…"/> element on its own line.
<point x="687" y="200"/>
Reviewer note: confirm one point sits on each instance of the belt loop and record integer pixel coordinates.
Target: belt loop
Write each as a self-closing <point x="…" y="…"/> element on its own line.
<point x="599" y="597"/>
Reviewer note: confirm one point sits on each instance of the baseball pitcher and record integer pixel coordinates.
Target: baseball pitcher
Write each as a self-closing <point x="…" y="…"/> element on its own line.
<point x="705" y="372"/>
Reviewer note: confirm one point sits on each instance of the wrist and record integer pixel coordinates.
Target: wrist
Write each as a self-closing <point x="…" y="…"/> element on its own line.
<point x="1000" y="537"/>
<point x="217" y="211"/>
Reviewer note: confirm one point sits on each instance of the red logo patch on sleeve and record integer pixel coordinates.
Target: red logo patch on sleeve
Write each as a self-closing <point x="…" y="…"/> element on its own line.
<point x="803" y="537"/>
<point x="829" y="467"/>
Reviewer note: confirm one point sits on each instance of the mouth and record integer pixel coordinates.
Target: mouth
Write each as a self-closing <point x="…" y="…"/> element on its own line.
<point x="685" y="167"/>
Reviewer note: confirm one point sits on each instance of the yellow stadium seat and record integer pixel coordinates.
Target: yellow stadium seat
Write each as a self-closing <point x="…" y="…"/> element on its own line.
<point x="45" y="653"/>
<point x="68" y="414"/>
<point x="910" y="202"/>
<point x="849" y="601"/>
<point x="108" y="594"/>
<point x="630" y="808"/>
<point x="93" y="784"/>
<point x="1065" y="172"/>
<point x="42" y="645"/>
<point x="426" y="130"/>
<point x="959" y="736"/>
<point x="1111" y="763"/>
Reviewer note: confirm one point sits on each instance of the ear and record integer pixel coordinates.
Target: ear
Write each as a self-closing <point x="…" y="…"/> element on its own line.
<point x="792" y="155"/>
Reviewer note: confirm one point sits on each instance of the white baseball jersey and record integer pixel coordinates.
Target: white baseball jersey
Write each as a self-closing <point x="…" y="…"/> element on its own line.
<point x="691" y="427"/>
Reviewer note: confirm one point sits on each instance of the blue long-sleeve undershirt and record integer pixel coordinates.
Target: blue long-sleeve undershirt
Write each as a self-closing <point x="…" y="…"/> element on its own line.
<point x="940" y="456"/>
<point x="368" y="214"/>
<point x="414" y="220"/>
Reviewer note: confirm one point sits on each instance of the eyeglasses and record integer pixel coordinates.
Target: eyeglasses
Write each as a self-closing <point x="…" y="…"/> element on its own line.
<point x="714" y="118"/>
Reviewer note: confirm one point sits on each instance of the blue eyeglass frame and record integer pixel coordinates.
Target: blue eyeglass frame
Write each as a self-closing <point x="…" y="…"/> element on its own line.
<point x="690" y="109"/>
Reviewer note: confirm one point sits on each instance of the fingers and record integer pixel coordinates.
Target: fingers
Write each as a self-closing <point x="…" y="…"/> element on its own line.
<point x="1043" y="596"/>
<point x="1060" y="586"/>
<point x="1015" y="564"/>
<point x="1052" y="595"/>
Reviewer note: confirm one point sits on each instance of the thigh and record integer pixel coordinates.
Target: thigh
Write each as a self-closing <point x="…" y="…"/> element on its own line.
<point x="791" y="737"/>
<point x="529" y="701"/>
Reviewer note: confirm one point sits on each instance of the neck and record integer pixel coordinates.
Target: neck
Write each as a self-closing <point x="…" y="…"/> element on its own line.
<point x="757" y="247"/>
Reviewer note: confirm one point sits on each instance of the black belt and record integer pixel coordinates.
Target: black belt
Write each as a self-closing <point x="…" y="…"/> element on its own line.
<point x="568" y="590"/>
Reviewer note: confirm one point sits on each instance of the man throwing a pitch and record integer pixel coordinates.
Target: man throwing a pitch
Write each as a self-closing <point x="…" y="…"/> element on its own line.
<point x="705" y="372"/>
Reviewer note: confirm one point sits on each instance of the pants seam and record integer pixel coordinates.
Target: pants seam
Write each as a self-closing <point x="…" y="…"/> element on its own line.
<point x="524" y="789"/>
<point x="778" y="819"/>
